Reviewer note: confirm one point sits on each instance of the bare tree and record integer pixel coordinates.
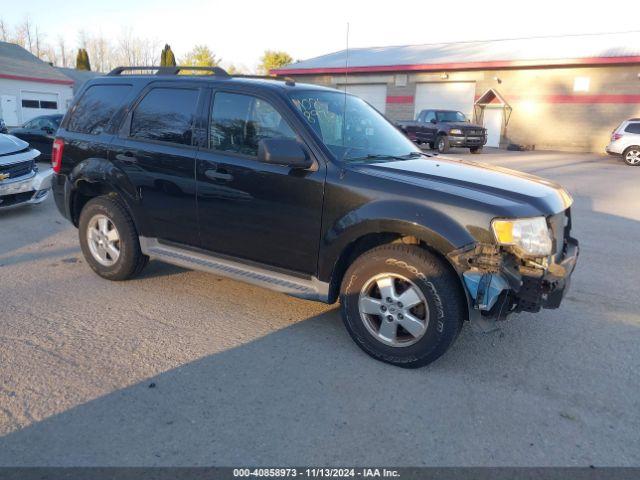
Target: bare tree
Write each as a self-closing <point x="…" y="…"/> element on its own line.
<point x="24" y="34"/>
<point x="63" y="51"/>
<point x="4" y="31"/>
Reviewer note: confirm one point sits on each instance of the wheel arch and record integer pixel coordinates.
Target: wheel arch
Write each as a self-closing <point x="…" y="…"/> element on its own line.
<point x="95" y="177"/>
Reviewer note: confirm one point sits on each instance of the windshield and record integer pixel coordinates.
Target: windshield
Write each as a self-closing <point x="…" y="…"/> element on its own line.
<point x="351" y="128"/>
<point x="451" y="116"/>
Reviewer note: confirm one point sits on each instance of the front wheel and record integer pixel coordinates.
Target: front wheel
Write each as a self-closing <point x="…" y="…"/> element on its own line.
<point x="632" y="156"/>
<point x="475" y="150"/>
<point x="402" y="305"/>
<point x="443" y="144"/>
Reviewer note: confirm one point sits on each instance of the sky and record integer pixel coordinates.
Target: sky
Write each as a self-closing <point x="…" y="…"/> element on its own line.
<point x="239" y="31"/>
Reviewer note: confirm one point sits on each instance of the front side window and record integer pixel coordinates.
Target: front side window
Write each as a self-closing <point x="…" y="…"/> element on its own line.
<point x="239" y="122"/>
<point x="449" y="116"/>
<point x="350" y="128"/>
<point x="96" y="107"/>
<point x="431" y="115"/>
<point x="165" y="115"/>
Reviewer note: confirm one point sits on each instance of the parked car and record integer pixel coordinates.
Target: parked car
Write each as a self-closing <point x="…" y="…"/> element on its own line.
<point x="311" y="192"/>
<point x="443" y="129"/>
<point x="39" y="132"/>
<point x="20" y="181"/>
<point x="3" y="126"/>
<point x="625" y="141"/>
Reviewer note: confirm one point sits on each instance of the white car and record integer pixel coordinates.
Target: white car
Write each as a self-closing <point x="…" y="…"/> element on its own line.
<point x="625" y="141"/>
<point x="20" y="181"/>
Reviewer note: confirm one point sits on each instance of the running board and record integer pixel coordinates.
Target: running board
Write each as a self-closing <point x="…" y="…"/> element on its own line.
<point x="310" y="289"/>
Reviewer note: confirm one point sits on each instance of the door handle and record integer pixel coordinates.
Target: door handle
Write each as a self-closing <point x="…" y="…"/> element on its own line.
<point x="218" y="175"/>
<point x="126" y="157"/>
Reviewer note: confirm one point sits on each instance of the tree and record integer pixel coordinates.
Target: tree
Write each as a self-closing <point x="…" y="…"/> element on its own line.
<point x="167" y="58"/>
<point x="82" y="60"/>
<point x="200" y="56"/>
<point x="273" y="59"/>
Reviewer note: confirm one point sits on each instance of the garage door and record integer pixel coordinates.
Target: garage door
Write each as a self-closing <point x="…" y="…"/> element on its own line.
<point x="447" y="96"/>
<point x="375" y="94"/>
<point x="38" y="103"/>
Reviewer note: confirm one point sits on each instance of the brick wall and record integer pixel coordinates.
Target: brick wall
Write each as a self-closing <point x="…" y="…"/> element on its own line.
<point x="547" y="112"/>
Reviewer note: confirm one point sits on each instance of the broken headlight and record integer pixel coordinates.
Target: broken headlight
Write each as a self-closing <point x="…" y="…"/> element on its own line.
<point x="530" y="236"/>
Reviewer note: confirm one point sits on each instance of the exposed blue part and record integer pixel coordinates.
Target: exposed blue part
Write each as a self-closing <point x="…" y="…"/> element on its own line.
<point x="484" y="288"/>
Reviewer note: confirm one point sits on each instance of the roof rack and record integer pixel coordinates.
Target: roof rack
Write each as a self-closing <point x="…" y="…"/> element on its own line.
<point x="221" y="72"/>
<point x="169" y="70"/>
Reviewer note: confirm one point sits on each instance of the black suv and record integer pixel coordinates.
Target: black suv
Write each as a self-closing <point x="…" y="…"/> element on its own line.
<point x="311" y="192"/>
<point x="443" y="129"/>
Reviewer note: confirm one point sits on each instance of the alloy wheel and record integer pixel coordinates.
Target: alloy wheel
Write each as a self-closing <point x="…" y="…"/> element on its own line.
<point x="394" y="310"/>
<point x="633" y="157"/>
<point x="103" y="240"/>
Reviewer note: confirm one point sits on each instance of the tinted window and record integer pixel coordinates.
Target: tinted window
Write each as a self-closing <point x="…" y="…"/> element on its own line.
<point x="430" y="115"/>
<point x="633" y="128"/>
<point x="166" y="115"/>
<point x="449" y="116"/>
<point x="31" y="123"/>
<point x="95" y="109"/>
<point x="30" y="104"/>
<point x="239" y="122"/>
<point x="49" y="105"/>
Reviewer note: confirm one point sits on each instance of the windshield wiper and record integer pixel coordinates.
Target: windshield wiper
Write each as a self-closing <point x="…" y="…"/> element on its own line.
<point x="375" y="156"/>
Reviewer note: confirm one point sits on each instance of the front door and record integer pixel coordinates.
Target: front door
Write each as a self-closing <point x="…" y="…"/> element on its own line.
<point x="492" y="120"/>
<point x="155" y="151"/>
<point x="254" y="211"/>
<point x="9" y="110"/>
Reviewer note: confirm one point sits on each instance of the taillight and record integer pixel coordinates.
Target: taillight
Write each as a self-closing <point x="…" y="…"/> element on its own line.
<point x="56" y="154"/>
<point x="616" y="136"/>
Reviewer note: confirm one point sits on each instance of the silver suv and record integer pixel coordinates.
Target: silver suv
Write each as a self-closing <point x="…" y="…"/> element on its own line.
<point x="625" y="141"/>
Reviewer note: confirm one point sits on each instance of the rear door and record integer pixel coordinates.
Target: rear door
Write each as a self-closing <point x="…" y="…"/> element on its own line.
<point x="155" y="150"/>
<point x="259" y="212"/>
<point x="428" y="130"/>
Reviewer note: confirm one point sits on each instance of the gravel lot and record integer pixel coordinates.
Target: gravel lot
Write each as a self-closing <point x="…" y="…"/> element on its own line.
<point x="184" y="368"/>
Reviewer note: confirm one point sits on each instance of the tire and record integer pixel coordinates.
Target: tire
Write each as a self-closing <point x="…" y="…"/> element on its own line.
<point x="631" y="156"/>
<point x="442" y="144"/>
<point x="475" y="150"/>
<point x="129" y="260"/>
<point x="440" y="313"/>
<point x="432" y="145"/>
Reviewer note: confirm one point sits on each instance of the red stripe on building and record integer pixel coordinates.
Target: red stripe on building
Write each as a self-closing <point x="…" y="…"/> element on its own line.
<point x="490" y="65"/>
<point x="399" y="99"/>
<point x="563" y="98"/>
<point x="36" y="79"/>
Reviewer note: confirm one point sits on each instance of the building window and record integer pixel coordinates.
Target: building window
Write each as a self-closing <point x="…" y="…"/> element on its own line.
<point x="581" y="84"/>
<point x="48" y="105"/>
<point x="30" y="104"/>
<point x="40" y="104"/>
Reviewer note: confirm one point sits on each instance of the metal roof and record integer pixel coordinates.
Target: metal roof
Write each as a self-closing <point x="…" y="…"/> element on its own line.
<point x="18" y="64"/>
<point x="611" y="48"/>
<point x="79" y="77"/>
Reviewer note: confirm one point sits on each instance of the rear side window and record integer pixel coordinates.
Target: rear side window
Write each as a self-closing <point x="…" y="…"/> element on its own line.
<point x="633" y="128"/>
<point x="96" y="108"/>
<point x="165" y="115"/>
<point x="239" y="122"/>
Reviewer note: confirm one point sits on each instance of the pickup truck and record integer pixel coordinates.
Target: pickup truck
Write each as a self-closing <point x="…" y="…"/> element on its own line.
<point x="311" y="192"/>
<point x="443" y="129"/>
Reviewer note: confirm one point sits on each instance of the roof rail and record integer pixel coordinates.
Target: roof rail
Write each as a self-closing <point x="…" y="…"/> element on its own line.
<point x="169" y="70"/>
<point x="288" y="80"/>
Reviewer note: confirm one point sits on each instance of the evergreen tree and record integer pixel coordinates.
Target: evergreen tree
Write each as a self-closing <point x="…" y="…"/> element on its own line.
<point x="82" y="60"/>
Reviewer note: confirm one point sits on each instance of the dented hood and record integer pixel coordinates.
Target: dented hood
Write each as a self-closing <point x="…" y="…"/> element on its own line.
<point x="510" y="190"/>
<point x="10" y="144"/>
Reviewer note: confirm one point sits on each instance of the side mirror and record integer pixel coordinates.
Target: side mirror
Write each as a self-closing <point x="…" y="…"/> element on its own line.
<point x="433" y="120"/>
<point x="283" y="151"/>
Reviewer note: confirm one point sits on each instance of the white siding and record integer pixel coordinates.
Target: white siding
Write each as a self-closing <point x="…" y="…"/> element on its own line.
<point x="25" y="90"/>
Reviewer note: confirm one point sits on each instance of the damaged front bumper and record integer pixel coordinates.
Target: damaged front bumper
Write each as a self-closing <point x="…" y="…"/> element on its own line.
<point x="499" y="283"/>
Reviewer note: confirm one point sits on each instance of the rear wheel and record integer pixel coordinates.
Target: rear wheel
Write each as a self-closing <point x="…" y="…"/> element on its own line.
<point x="632" y="156"/>
<point x="402" y="305"/>
<point x="109" y="239"/>
<point x="442" y="144"/>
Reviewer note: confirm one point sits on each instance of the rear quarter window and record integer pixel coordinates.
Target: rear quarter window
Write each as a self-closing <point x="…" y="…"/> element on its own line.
<point x="96" y="108"/>
<point x="633" y="128"/>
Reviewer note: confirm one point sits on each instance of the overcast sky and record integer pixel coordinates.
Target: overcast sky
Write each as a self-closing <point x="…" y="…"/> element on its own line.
<point x="239" y="31"/>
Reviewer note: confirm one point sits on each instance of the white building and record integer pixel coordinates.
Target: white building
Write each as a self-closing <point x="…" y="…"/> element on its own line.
<point x="30" y="87"/>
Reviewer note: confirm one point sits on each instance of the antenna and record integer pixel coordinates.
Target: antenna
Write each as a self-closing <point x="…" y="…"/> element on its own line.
<point x="346" y="82"/>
